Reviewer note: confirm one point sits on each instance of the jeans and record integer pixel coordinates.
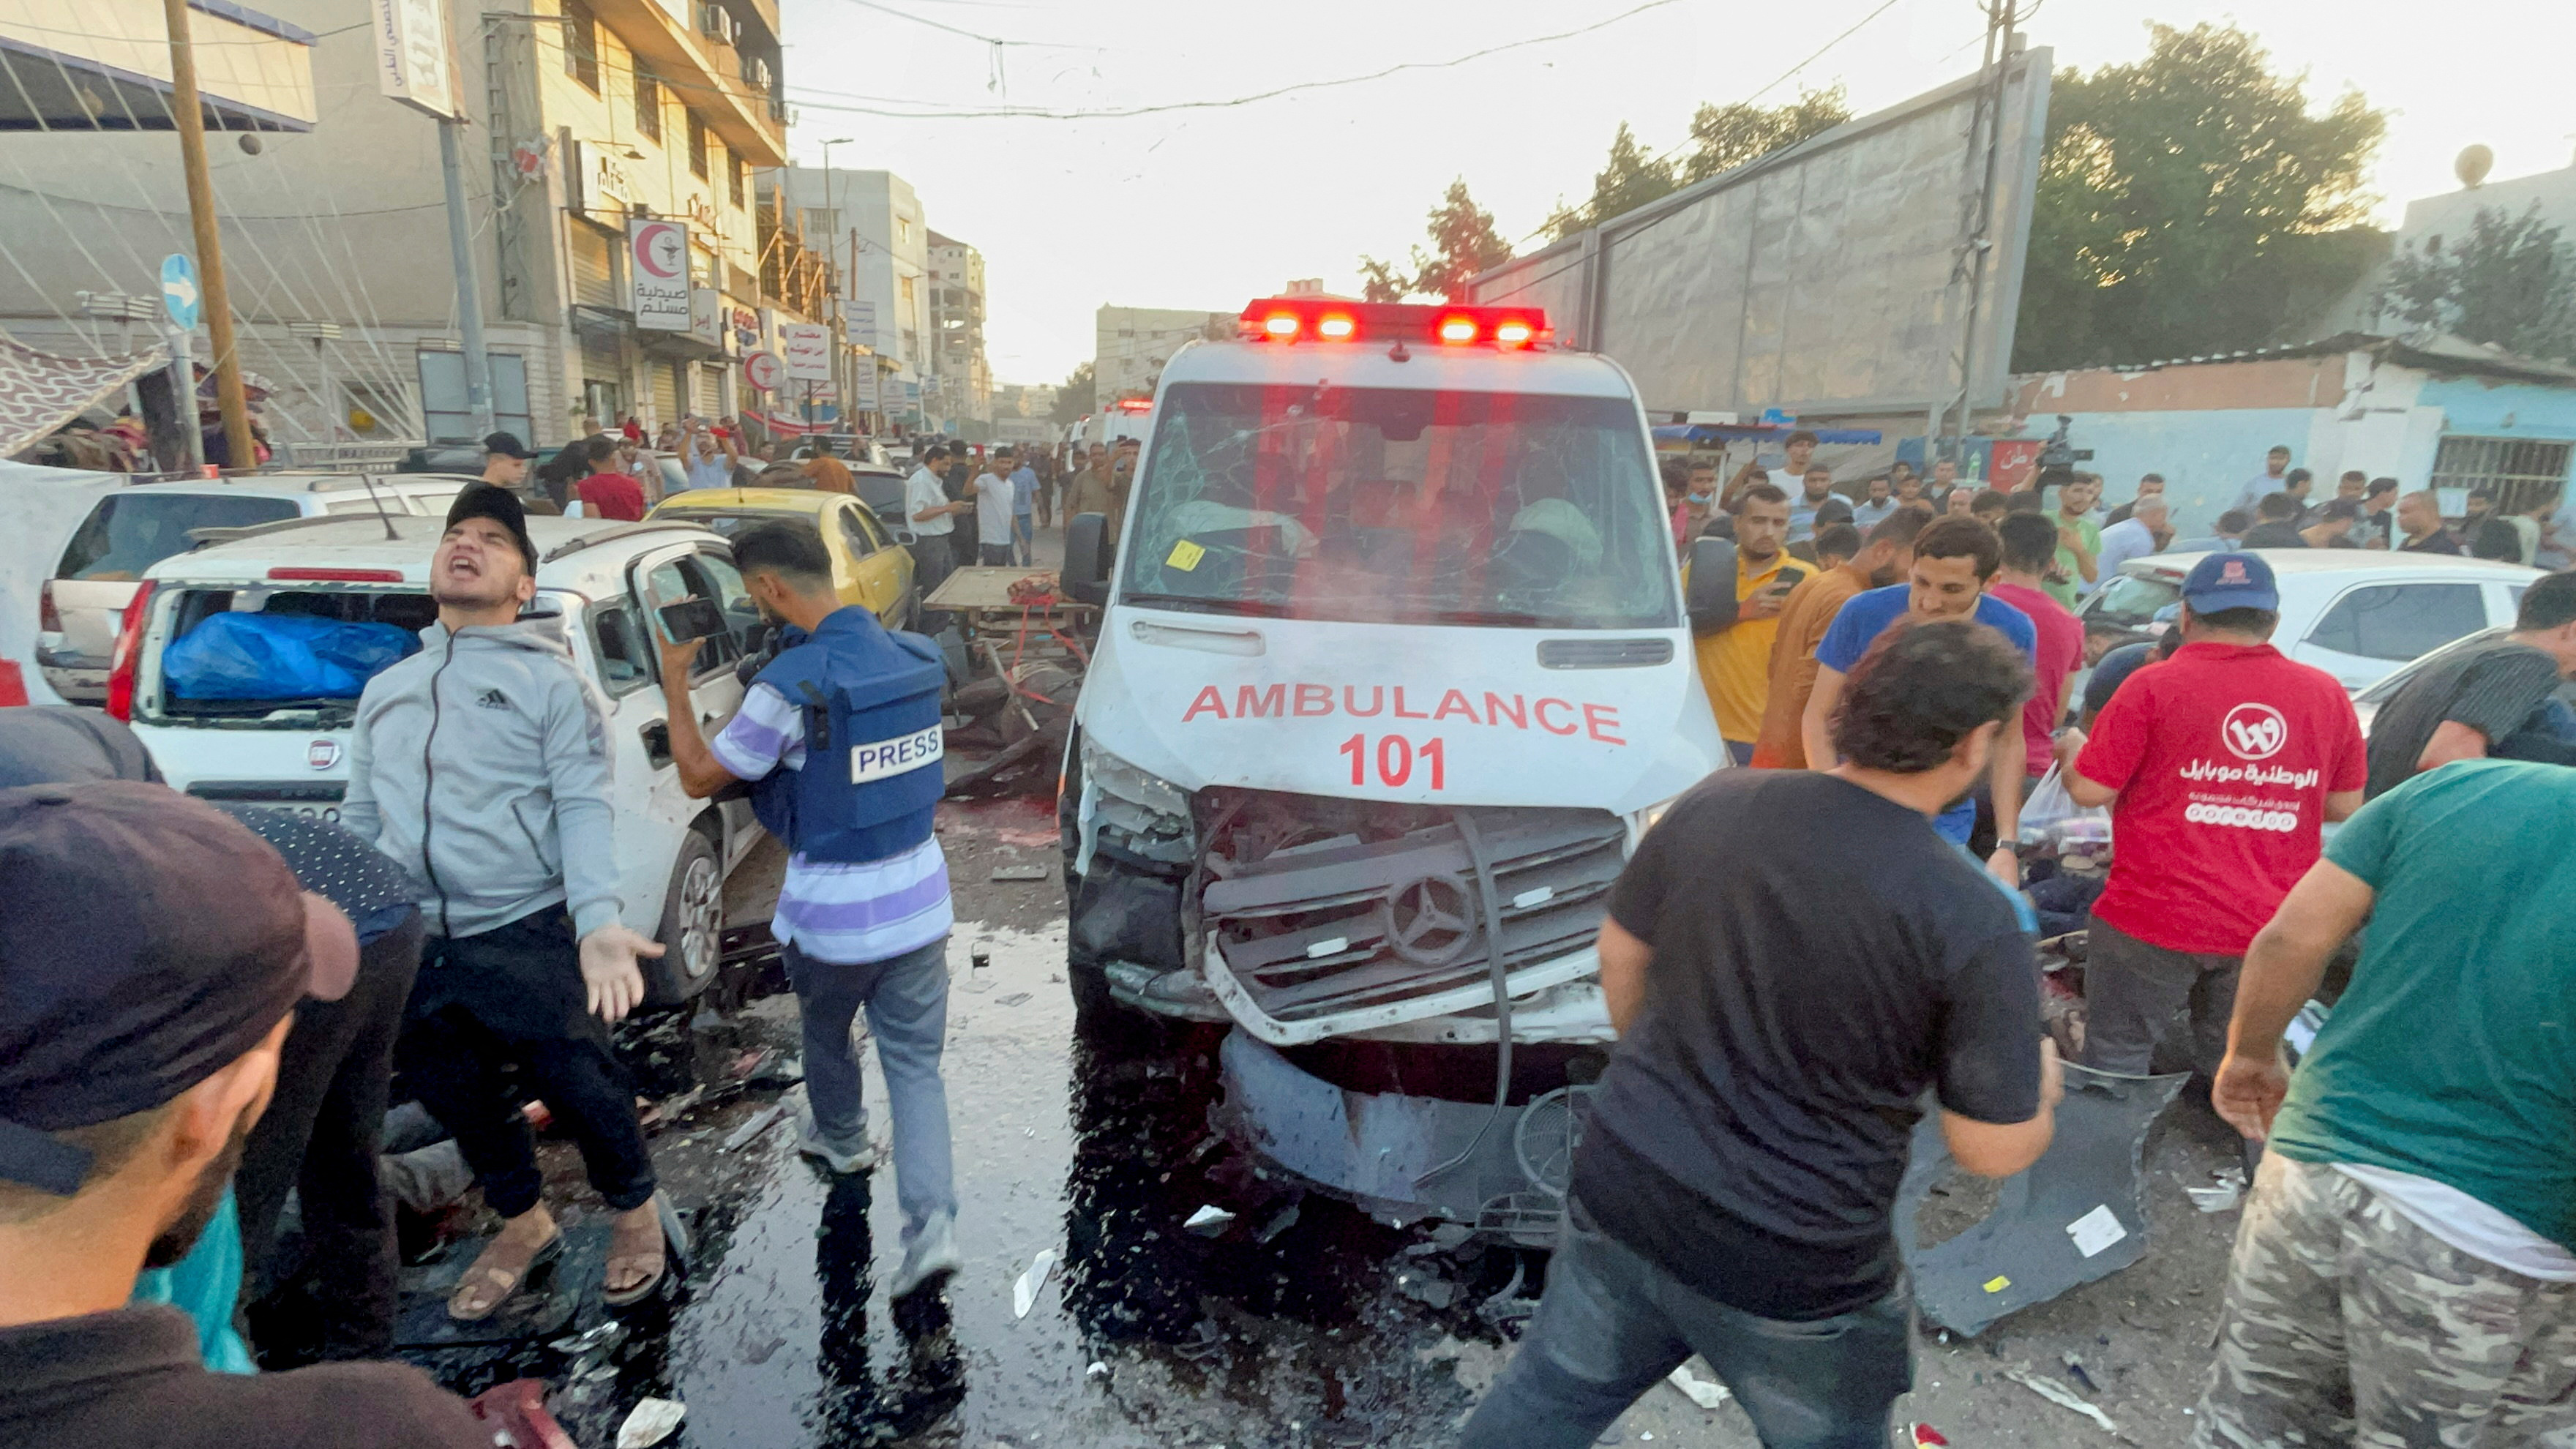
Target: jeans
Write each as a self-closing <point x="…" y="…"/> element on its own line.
<point x="514" y="994"/>
<point x="996" y="555"/>
<point x="2133" y="990"/>
<point x="1611" y="1324"/>
<point x="906" y="998"/>
<point x="320" y="1137"/>
<point x="1023" y="534"/>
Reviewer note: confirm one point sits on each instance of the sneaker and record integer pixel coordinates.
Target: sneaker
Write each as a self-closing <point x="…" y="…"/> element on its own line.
<point x="929" y="1260"/>
<point x="846" y="1158"/>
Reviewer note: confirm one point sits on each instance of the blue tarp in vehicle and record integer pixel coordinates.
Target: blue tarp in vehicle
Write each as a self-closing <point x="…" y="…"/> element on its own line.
<point x="280" y="656"/>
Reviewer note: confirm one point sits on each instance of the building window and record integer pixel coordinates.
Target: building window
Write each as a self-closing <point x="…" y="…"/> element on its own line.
<point x="906" y="284"/>
<point x="697" y="146"/>
<point x="581" y="44"/>
<point x="648" y="104"/>
<point x="2522" y="475"/>
<point x="733" y="177"/>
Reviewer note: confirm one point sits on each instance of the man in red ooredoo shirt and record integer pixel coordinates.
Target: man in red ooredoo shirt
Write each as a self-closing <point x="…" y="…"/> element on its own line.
<point x="2221" y="766"/>
<point x="607" y="493"/>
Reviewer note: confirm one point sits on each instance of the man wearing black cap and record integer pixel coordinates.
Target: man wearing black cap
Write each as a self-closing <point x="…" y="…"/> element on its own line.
<point x="151" y="950"/>
<point x="481" y="765"/>
<point x="505" y="465"/>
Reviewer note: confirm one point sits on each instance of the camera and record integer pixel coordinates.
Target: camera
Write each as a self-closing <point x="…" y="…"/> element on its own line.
<point x="2058" y="456"/>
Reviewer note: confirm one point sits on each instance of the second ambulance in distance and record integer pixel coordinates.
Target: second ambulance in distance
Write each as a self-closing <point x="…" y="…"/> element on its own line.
<point x="1393" y="674"/>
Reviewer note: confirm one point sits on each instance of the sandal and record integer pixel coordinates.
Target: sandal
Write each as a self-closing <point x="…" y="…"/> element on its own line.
<point x="501" y="1283"/>
<point x="630" y="1250"/>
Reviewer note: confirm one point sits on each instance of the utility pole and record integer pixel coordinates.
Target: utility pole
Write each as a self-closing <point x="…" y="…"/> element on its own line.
<point x="469" y="292"/>
<point x="189" y="118"/>
<point x="1979" y="217"/>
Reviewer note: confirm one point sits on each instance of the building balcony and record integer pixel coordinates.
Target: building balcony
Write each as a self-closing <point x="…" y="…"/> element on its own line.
<point x="751" y="121"/>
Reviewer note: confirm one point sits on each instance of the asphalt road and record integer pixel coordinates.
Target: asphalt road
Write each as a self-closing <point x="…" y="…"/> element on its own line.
<point x="1298" y="1322"/>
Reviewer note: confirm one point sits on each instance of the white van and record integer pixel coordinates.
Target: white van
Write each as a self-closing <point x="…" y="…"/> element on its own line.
<point x="1394" y="665"/>
<point x="602" y="578"/>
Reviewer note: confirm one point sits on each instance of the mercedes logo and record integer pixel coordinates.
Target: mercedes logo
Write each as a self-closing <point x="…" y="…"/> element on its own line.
<point x="1429" y="921"/>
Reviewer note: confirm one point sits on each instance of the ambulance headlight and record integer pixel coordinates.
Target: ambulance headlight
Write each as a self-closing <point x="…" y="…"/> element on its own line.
<point x="1139" y="812"/>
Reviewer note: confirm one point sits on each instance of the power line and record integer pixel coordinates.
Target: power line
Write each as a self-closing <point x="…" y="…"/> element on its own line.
<point x="850" y="105"/>
<point x="1773" y="84"/>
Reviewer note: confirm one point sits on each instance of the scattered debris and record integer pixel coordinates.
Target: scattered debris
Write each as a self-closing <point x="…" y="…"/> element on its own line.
<point x="1423" y="1288"/>
<point x="1024" y="1293"/>
<point x="1014" y="999"/>
<point x="1707" y="1393"/>
<point x="2227" y="1192"/>
<point x="670" y="1109"/>
<point x="761" y="1121"/>
<point x="1020" y="873"/>
<point x="1098" y="1370"/>
<point x="1282" y="1222"/>
<point x="1924" y="1436"/>
<point x="650" y="1424"/>
<point x="592" y="1346"/>
<point x="2061" y="1396"/>
<point x="1209" y="1221"/>
<point x="2075" y="1370"/>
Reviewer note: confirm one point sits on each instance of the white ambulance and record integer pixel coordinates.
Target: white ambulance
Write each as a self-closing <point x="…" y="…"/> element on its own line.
<point x="1393" y="673"/>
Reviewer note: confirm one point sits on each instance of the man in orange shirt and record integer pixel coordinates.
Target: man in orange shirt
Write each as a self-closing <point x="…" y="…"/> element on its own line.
<point x="1886" y="553"/>
<point x="1735" y="656"/>
<point x="827" y="473"/>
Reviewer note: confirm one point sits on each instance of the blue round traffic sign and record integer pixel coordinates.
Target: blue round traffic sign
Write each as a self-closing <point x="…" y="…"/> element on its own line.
<point x="179" y="296"/>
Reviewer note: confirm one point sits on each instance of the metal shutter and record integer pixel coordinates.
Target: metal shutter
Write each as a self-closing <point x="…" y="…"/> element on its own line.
<point x="594" y="267"/>
<point x="600" y="361"/>
<point x="665" y="378"/>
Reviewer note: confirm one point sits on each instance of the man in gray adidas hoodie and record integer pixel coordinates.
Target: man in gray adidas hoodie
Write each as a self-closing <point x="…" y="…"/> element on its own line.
<point x="481" y="764"/>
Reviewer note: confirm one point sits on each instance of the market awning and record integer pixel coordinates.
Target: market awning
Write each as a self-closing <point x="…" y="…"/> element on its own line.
<point x="40" y="392"/>
<point x="104" y="65"/>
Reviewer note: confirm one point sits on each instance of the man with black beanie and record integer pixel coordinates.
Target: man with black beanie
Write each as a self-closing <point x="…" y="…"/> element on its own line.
<point x="481" y="765"/>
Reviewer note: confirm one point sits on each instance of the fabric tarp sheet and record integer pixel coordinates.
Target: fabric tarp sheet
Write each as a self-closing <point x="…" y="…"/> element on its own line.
<point x="280" y="656"/>
<point x="40" y="392"/>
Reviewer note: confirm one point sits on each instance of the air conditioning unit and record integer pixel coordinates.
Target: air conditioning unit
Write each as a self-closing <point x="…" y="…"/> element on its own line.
<point x="717" y="23"/>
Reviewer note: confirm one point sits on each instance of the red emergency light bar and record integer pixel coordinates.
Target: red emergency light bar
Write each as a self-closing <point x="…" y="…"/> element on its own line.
<point x="1135" y="405"/>
<point x="1314" y="319"/>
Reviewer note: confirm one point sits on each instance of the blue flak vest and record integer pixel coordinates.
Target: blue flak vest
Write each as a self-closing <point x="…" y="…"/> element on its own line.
<point x="872" y="776"/>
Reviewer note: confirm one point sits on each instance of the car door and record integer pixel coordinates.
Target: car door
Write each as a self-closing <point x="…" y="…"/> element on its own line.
<point x="2372" y="628"/>
<point x="899" y="565"/>
<point x="705" y="570"/>
<point x="615" y="636"/>
<point x="876" y="584"/>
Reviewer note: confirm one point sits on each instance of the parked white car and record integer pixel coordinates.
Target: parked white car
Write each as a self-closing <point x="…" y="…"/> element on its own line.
<point x="2357" y="614"/>
<point x="131" y="529"/>
<point x="601" y="577"/>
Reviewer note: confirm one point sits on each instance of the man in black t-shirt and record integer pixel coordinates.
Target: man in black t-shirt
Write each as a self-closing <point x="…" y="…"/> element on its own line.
<point x="2481" y="700"/>
<point x="1791" y="959"/>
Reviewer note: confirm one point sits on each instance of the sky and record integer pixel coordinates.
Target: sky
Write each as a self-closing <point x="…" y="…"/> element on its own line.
<point x="1210" y="208"/>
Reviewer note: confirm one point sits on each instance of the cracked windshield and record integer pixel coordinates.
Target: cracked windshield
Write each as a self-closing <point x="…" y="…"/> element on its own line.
<point x="1400" y="506"/>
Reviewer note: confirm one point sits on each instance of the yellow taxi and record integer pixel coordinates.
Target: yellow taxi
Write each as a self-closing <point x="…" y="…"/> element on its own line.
<point x="869" y="568"/>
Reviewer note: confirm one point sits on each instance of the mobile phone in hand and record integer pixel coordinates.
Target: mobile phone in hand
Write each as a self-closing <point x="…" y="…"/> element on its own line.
<point x="692" y="619"/>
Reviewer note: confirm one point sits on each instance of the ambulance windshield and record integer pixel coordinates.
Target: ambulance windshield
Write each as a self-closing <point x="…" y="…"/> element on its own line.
<point x="1387" y="505"/>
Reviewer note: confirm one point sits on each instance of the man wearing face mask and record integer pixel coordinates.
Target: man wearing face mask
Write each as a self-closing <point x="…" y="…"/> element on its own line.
<point x="840" y="739"/>
<point x="152" y="951"/>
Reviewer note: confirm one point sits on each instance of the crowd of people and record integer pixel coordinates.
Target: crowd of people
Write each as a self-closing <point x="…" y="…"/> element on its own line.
<point x="203" y="1008"/>
<point x="1800" y="950"/>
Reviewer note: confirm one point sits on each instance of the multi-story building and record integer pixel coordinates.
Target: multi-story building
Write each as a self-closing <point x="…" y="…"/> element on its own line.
<point x="1131" y="344"/>
<point x="871" y="226"/>
<point x="957" y="320"/>
<point x="579" y="117"/>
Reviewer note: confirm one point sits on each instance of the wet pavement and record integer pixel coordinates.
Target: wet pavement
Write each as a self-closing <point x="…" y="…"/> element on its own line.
<point x="1297" y="1321"/>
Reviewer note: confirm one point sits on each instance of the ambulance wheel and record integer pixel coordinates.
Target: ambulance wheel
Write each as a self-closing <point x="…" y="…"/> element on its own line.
<point x="692" y="926"/>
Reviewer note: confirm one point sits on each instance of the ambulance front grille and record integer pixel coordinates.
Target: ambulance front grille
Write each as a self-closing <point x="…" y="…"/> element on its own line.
<point x="1345" y="924"/>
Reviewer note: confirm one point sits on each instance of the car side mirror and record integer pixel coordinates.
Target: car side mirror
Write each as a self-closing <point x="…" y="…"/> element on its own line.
<point x="1087" y="548"/>
<point x="1710" y="600"/>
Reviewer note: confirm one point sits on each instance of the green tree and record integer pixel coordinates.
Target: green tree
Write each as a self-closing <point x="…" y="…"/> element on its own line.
<point x="2190" y="203"/>
<point x="1077" y="397"/>
<point x="2511" y="282"/>
<point x="1725" y="137"/>
<point x="1463" y="243"/>
<point x="1630" y="180"/>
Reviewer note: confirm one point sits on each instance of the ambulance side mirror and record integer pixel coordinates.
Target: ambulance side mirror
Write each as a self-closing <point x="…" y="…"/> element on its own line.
<point x="1087" y="546"/>
<point x="1710" y="599"/>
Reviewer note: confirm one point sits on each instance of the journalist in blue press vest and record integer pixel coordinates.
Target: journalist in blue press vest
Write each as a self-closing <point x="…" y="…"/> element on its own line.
<point x="839" y="737"/>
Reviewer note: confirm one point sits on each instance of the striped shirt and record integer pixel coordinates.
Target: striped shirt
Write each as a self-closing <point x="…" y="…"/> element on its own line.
<point x="869" y="911"/>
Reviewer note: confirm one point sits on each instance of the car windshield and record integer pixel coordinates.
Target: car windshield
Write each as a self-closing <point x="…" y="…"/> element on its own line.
<point x="130" y="532"/>
<point x="2130" y="601"/>
<point x="1385" y="505"/>
<point x="880" y="491"/>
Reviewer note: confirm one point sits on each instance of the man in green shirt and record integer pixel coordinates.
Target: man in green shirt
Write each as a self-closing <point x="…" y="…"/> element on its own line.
<point x="2079" y="539"/>
<point x="2403" y="1274"/>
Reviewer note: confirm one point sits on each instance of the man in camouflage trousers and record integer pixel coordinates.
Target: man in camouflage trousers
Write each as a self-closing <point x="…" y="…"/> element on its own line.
<point x="2404" y="1278"/>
